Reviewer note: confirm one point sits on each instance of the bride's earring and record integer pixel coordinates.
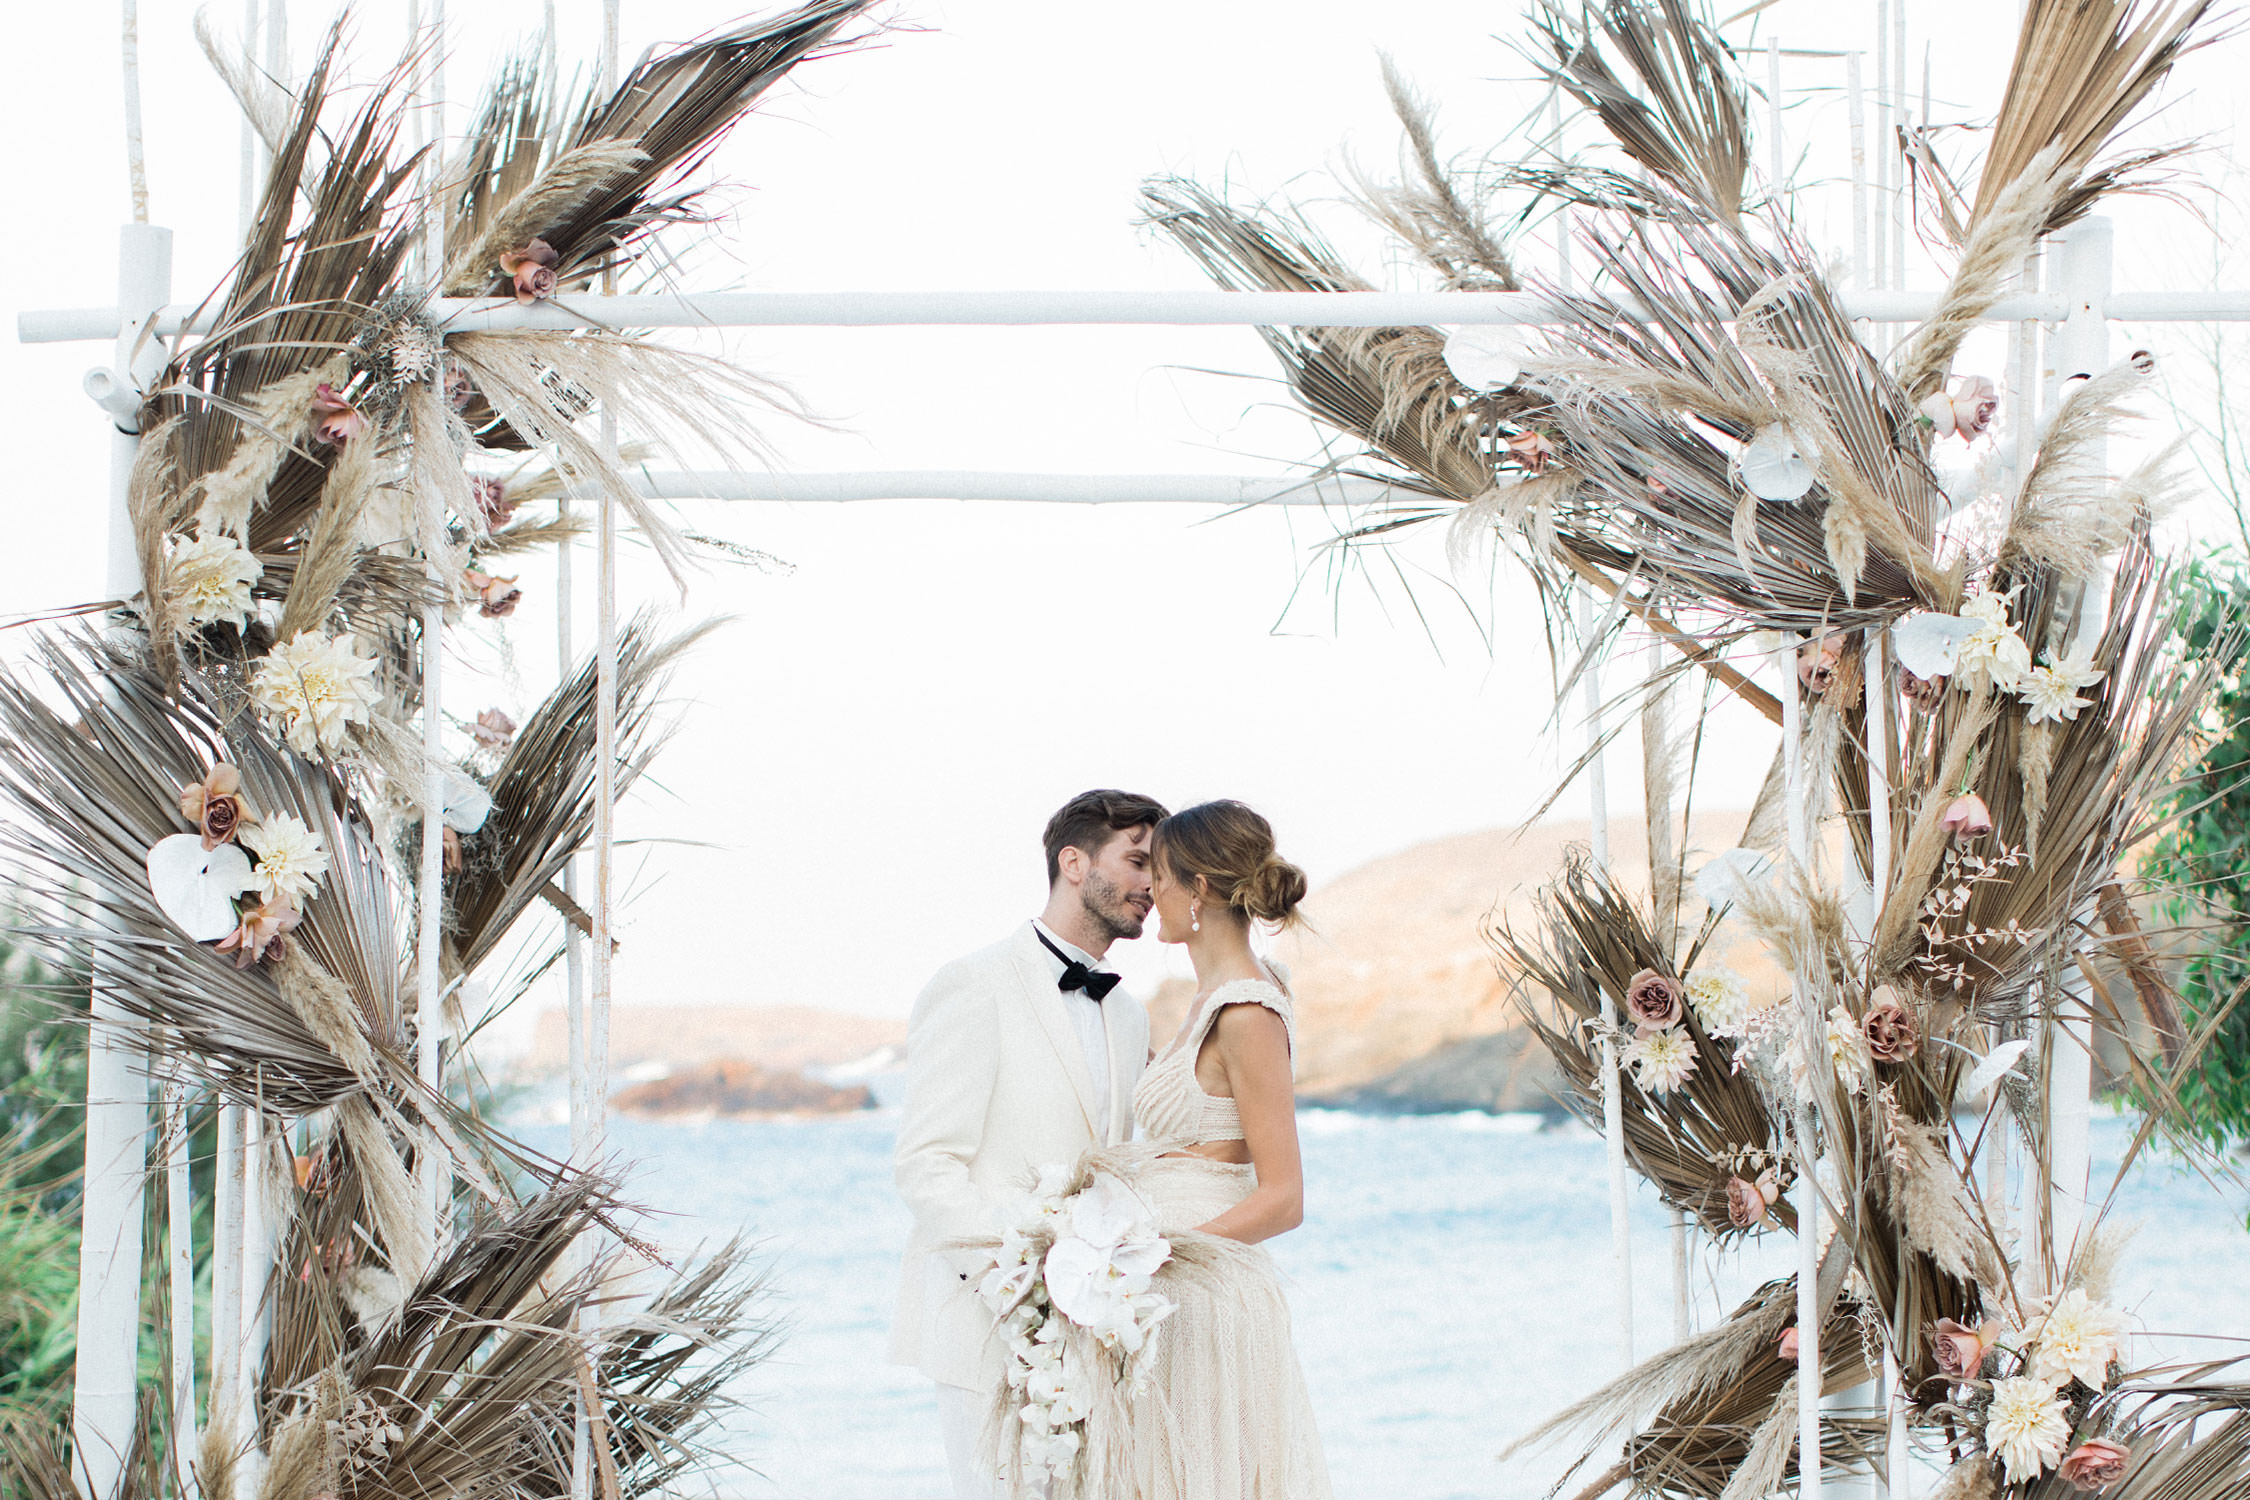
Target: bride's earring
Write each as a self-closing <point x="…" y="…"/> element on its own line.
<point x="1195" y="916"/>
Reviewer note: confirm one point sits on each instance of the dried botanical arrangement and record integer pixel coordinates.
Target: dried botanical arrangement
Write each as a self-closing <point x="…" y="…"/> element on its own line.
<point x="1701" y="436"/>
<point x="227" y="775"/>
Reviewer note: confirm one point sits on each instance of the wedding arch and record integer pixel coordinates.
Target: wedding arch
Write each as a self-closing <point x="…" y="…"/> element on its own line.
<point x="363" y="364"/>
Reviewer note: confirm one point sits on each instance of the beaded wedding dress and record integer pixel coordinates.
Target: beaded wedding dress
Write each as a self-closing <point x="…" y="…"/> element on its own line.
<point x="1225" y="1415"/>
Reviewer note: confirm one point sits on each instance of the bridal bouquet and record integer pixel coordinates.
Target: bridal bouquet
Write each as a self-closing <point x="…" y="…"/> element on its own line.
<point x="1083" y="1260"/>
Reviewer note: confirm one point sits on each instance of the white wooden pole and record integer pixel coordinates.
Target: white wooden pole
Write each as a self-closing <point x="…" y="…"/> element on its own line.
<point x="136" y="163"/>
<point x="1886" y="149"/>
<point x="1613" y="1095"/>
<point x="1855" y="96"/>
<point x="1779" y="157"/>
<point x="1810" y="1023"/>
<point x="258" y="1230"/>
<point x="226" y="1271"/>
<point x="1683" y="1290"/>
<point x="1897" y="1481"/>
<point x="1903" y="120"/>
<point x="277" y="42"/>
<point x="179" y="1225"/>
<point x="103" y="1394"/>
<point x="2079" y="347"/>
<point x="245" y="189"/>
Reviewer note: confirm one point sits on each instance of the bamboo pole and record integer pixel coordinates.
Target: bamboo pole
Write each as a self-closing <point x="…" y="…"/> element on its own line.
<point x="258" y="1230"/>
<point x="226" y="1270"/>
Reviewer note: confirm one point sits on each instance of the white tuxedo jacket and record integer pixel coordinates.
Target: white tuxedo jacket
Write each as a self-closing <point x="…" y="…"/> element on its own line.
<point x="996" y="1088"/>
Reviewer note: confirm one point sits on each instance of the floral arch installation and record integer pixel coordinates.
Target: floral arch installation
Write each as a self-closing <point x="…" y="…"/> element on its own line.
<point x="282" y="861"/>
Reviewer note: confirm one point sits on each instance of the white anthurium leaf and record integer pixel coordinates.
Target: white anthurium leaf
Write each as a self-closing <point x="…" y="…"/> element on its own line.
<point x="1484" y="356"/>
<point x="1775" y="465"/>
<point x="1726" y="879"/>
<point x="467" y="805"/>
<point x="1927" y="643"/>
<point x="1988" y="1072"/>
<point x="196" y="887"/>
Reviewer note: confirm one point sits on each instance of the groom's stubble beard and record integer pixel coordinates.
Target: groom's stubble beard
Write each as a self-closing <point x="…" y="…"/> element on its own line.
<point x="1104" y="901"/>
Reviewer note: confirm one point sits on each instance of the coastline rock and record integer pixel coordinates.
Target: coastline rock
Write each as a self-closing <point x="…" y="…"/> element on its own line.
<point x="1401" y="1002"/>
<point x="787" y="1037"/>
<point x="1506" y="1072"/>
<point x="733" y="1088"/>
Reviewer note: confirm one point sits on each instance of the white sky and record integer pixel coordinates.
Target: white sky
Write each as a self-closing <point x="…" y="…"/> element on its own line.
<point x="870" y="750"/>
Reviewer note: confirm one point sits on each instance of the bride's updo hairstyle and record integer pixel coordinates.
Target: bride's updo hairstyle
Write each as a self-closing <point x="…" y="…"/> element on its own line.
<point x="1232" y="849"/>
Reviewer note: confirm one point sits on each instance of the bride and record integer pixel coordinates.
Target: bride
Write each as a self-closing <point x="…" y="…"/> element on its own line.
<point x="1225" y="1415"/>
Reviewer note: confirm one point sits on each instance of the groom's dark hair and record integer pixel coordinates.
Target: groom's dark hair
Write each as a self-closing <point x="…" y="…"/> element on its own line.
<point x="1090" y="819"/>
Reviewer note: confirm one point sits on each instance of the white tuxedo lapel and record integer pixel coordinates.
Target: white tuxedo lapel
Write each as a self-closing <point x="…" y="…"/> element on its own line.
<point x="1045" y="1002"/>
<point x="1128" y="1049"/>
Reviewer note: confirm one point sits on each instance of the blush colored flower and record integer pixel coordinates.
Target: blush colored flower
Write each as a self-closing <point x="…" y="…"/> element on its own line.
<point x="1816" y="662"/>
<point x="1652" y="1000"/>
<point x="1533" y="450"/>
<point x="1965" y="412"/>
<point x="261" y="931"/>
<point x="449" y="859"/>
<point x="1925" y="693"/>
<point x="2095" y="1464"/>
<point x="214" y="805"/>
<point x="335" y="420"/>
<point x="459" y="389"/>
<point x="493" y="504"/>
<point x="1750" y="1201"/>
<point x="1958" y="1350"/>
<point x="497" y="598"/>
<point x="2026" y="1427"/>
<point x="1787" y="1347"/>
<point x="1966" y="817"/>
<point x="533" y="268"/>
<point x="1890" y="1029"/>
<point x="493" y="730"/>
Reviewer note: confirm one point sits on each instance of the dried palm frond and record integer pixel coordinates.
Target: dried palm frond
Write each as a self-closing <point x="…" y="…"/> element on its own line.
<point x="2081" y="69"/>
<point x="669" y="112"/>
<point x="1665" y="88"/>
<point x="1592" y="939"/>
<point x="2188" y="1433"/>
<point x="543" y="792"/>
<point x="2070" y="513"/>
<point x="510" y="135"/>
<point x="545" y="385"/>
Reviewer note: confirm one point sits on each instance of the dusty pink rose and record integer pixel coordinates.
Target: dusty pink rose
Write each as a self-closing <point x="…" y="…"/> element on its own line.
<point x="1925" y="693"/>
<point x="1967" y="817"/>
<point x="459" y="389"/>
<point x="2095" y="1464"/>
<point x="1965" y="412"/>
<point x="492" y="501"/>
<point x="497" y="598"/>
<point x="261" y="931"/>
<point x="1653" y="1000"/>
<point x="1892" y="1035"/>
<point x="1786" y="1347"/>
<point x="1532" y="449"/>
<point x="493" y="730"/>
<point x="1816" y="662"/>
<point x="450" y="859"/>
<point x="335" y="420"/>
<point x="214" y="805"/>
<point x="1748" y="1203"/>
<point x="1958" y="1350"/>
<point x="533" y="268"/>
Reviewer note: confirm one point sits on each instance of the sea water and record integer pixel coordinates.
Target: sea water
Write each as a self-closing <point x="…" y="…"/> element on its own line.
<point x="1451" y="1287"/>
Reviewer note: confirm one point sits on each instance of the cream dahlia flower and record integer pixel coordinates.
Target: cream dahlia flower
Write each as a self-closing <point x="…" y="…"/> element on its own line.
<point x="2077" y="1340"/>
<point x="1661" y="1060"/>
<point x="2026" y="1428"/>
<point x="290" y="858"/>
<point x="316" y="687"/>
<point x="211" y="577"/>
<point x="1720" y="999"/>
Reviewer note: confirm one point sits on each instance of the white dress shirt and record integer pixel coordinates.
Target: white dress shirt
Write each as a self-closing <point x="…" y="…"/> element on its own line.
<point x="1085" y="1014"/>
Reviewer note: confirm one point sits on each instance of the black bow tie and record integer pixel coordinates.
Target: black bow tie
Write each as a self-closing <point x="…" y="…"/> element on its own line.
<point x="1076" y="976"/>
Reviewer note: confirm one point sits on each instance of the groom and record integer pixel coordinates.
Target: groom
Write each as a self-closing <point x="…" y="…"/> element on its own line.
<point x="1018" y="1056"/>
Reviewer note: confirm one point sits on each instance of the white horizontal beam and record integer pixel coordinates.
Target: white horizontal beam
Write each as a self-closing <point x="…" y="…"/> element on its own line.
<point x="1077" y="308"/>
<point x="1068" y="489"/>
